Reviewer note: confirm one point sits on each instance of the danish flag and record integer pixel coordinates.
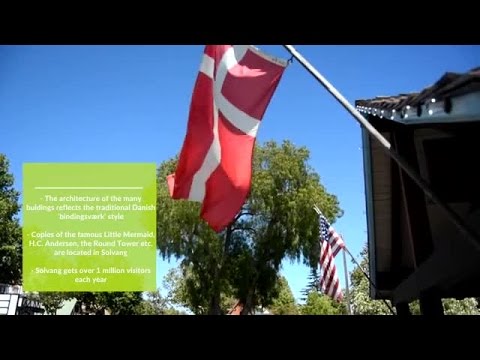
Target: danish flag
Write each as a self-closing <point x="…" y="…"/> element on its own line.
<point x="231" y="94"/>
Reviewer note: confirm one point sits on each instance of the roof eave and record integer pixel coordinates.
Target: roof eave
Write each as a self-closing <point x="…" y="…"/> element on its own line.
<point x="458" y="109"/>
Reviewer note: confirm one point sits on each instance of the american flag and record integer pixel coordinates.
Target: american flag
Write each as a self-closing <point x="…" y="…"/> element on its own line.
<point x="331" y="244"/>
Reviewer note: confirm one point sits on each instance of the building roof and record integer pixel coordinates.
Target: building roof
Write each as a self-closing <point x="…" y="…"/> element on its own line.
<point x="454" y="97"/>
<point x="413" y="248"/>
<point x="448" y="86"/>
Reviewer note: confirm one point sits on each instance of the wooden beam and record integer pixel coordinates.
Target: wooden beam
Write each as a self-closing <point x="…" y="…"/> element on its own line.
<point x="417" y="217"/>
<point x="396" y="190"/>
<point x="391" y="279"/>
<point x="440" y="271"/>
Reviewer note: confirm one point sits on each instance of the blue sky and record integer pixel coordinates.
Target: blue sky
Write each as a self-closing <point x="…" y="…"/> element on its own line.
<point x="130" y="104"/>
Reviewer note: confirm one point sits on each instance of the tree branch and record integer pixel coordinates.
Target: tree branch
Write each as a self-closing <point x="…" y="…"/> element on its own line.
<point x="248" y="228"/>
<point x="242" y="213"/>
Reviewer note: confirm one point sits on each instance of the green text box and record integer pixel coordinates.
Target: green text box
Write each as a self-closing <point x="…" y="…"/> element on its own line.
<point x="89" y="226"/>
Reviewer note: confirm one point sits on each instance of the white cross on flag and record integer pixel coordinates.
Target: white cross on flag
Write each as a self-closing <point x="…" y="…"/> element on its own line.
<point x="231" y="94"/>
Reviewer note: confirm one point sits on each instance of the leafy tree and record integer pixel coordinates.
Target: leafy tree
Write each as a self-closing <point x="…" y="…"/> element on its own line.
<point x="319" y="304"/>
<point x="468" y="306"/>
<point x="181" y="282"/>
<point x="361" y="302"/>
<point x="243" y="261"/>
<point x="364" y="305"/>
<point x="313" y="283"/>
<point x="86" y="302"/>
<point x="10" y="230"/>
<point x="156" y="304"/>
<point x="341" y="306"/>
<point x="119" y="303"/>
<point x="52" y="301"/>
<point x="175" y="281"/>
<point x="284" y="303"/>
<point x="116" y="303"/>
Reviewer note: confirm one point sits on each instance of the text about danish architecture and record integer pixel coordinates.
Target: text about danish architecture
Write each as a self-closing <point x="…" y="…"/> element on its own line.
<point x="89" y="227"/>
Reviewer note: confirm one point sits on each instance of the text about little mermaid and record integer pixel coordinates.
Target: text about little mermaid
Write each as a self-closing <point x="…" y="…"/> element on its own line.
<point x="89" y="227"/>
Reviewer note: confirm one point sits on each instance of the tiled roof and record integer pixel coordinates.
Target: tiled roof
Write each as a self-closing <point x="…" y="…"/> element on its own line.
<point x="448" y="86"/>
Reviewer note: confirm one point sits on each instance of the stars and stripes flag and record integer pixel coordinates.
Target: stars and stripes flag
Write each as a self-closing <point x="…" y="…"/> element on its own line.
<point x="331" y="244"/>
<point x="232" y="92"/>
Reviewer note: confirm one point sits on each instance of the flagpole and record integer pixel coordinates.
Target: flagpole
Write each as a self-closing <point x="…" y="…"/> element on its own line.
<point x="347" y="292"/>
<point x="471" y="235"/>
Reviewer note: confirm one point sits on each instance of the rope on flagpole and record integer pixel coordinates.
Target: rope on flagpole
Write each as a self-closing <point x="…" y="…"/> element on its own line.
<point x="368" y="278"/>
<point x="471" y="235"/>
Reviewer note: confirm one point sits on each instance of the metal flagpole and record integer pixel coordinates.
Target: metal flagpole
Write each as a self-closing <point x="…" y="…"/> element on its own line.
<point x="347" y="292"/>
<point x="471" y="235"/>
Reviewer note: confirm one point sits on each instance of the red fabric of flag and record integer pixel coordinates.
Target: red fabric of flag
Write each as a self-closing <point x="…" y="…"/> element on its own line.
<point x="233" y="90"/>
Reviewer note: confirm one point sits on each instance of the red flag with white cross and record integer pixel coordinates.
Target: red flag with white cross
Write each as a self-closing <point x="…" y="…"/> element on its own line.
<point x="233" y="89"/>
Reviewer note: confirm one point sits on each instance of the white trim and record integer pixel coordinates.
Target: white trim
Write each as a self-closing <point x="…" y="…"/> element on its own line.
<point x="210" y="163"/>
<point x="12" y="309"/>
<point x="207" y="66"/>
<point x="235" y="116"/>
<point x="242" y="121"/>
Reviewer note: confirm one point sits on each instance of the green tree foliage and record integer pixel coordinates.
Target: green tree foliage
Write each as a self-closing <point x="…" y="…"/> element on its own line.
<point x="468" y="306"/>
<point x="320" y="304"/>
<point x="181" y="284"/>
<point x="153" y="304"/>
<point x="313" y="283"/>
<point x="175" y="281"/>
<point x="362" y="303"/>
<point x="284" y="303"/>
<point x="156" y="304"/>
<point x="52" y="301"/>
<point x="115" y="303"/>
<point x="119" y="303"/>
<point x="276" y="222"/>
<point x="10" y="230"/>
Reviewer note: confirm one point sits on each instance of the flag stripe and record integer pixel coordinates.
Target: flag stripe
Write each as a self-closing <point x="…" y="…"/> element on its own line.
<point x="210" y="163"/>
<point x="207" y="66"/>
<point x="238" y="118"/>
<point x="230" y="58"/>
<point x="331" y="244"/>
<point x="198" y="139"/>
